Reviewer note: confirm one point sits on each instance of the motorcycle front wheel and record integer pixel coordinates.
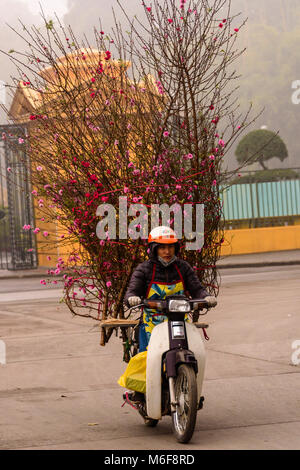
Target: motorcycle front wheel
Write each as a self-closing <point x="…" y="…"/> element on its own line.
<point x="184" y="418"/>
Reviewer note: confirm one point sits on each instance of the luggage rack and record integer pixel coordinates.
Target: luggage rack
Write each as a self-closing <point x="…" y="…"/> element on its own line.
<point x="127" y="327"/>
<point x="122" y="323"/>
<point x="115" y="324"/>
<point x="118" y="323"/>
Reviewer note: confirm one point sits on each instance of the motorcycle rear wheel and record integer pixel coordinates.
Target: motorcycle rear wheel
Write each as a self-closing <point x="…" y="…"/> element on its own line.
<point x="184" y="418"/>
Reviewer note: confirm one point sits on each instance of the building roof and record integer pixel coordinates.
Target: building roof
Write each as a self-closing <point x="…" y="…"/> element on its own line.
<point x="27" y="100"/>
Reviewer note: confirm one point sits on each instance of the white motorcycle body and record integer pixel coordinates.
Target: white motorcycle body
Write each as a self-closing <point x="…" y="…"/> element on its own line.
<point x="158" y="345"/>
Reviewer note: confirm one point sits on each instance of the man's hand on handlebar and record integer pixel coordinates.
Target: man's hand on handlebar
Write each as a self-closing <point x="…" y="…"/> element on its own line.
<point x="134" y="300"/>
<point x="199" y="304"/>
<point x="210" y="300"/>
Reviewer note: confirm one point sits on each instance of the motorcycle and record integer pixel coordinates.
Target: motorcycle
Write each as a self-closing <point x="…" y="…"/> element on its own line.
<point x="175" y="366"/>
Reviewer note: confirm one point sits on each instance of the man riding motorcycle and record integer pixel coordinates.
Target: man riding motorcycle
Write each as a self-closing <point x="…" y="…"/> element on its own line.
<point x="164" y="274"/>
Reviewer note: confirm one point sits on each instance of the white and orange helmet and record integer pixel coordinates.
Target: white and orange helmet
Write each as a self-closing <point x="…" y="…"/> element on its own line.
<point x="162" y="235"/>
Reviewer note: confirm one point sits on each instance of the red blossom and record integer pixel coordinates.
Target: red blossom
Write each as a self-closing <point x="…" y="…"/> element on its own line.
<point x="93" y="178"/>
<point x="215" y="120"/>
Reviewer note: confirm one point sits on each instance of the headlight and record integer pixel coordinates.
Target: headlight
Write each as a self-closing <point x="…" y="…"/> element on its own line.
<point x="179" y="305"/>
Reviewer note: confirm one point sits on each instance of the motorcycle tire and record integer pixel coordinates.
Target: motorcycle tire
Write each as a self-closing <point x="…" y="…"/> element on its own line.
<point x="184" y="418"/>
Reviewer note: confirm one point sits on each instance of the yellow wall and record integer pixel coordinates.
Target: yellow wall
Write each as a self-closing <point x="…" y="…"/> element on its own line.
<point x="53" y="246"/>
<point x="259" y="240"/>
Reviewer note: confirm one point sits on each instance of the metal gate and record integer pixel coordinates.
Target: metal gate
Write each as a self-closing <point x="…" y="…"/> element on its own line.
<point x="17" y="247"/>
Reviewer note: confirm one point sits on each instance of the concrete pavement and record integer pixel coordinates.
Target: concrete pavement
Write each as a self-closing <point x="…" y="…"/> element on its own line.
<point x="59" y="388"/>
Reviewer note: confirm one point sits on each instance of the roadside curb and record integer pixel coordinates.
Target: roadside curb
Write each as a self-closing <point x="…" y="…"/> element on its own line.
<point x="28" y="276"/>
<point x="259" y="264"/>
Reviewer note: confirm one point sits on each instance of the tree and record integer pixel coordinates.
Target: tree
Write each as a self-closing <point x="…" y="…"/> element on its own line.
<point x="142" y="115"/>
<point x="269" y="68"/>
<point x="261" y="145"/>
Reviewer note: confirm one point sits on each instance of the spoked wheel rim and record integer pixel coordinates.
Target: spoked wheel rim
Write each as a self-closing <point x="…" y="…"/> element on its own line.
<point x="182" y="409"/>
<point x="184" y="418"/>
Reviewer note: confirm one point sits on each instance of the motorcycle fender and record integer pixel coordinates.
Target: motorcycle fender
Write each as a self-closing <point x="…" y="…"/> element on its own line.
<point x="196" y="345"/>
<point x="158" y="345"/>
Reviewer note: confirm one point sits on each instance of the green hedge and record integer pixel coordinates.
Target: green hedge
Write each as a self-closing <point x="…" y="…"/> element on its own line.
<point x="265" y="176"/>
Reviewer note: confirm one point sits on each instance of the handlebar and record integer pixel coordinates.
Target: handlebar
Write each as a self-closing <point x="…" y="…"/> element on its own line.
<point x="162" y="304"/>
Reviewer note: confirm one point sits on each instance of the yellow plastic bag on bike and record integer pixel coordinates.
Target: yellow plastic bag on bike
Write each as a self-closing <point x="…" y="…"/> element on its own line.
<point x="134" y="377"/>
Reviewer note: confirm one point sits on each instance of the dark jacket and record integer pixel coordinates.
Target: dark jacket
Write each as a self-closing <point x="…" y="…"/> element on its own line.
<point x="142" y="276"/>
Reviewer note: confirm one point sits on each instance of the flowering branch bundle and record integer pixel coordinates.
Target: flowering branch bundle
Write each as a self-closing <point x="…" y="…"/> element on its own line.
<point x="148" y="114"/>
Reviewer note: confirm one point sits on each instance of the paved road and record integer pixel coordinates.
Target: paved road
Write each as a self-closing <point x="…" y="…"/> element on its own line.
<point x="17" y="285"/>
<point x="58" y="389"/>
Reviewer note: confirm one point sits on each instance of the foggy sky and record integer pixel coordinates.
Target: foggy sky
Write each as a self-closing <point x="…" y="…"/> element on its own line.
<point x="83" y="15"/>
<point x="82" y="19"/>
<point x="8" y="39"/>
